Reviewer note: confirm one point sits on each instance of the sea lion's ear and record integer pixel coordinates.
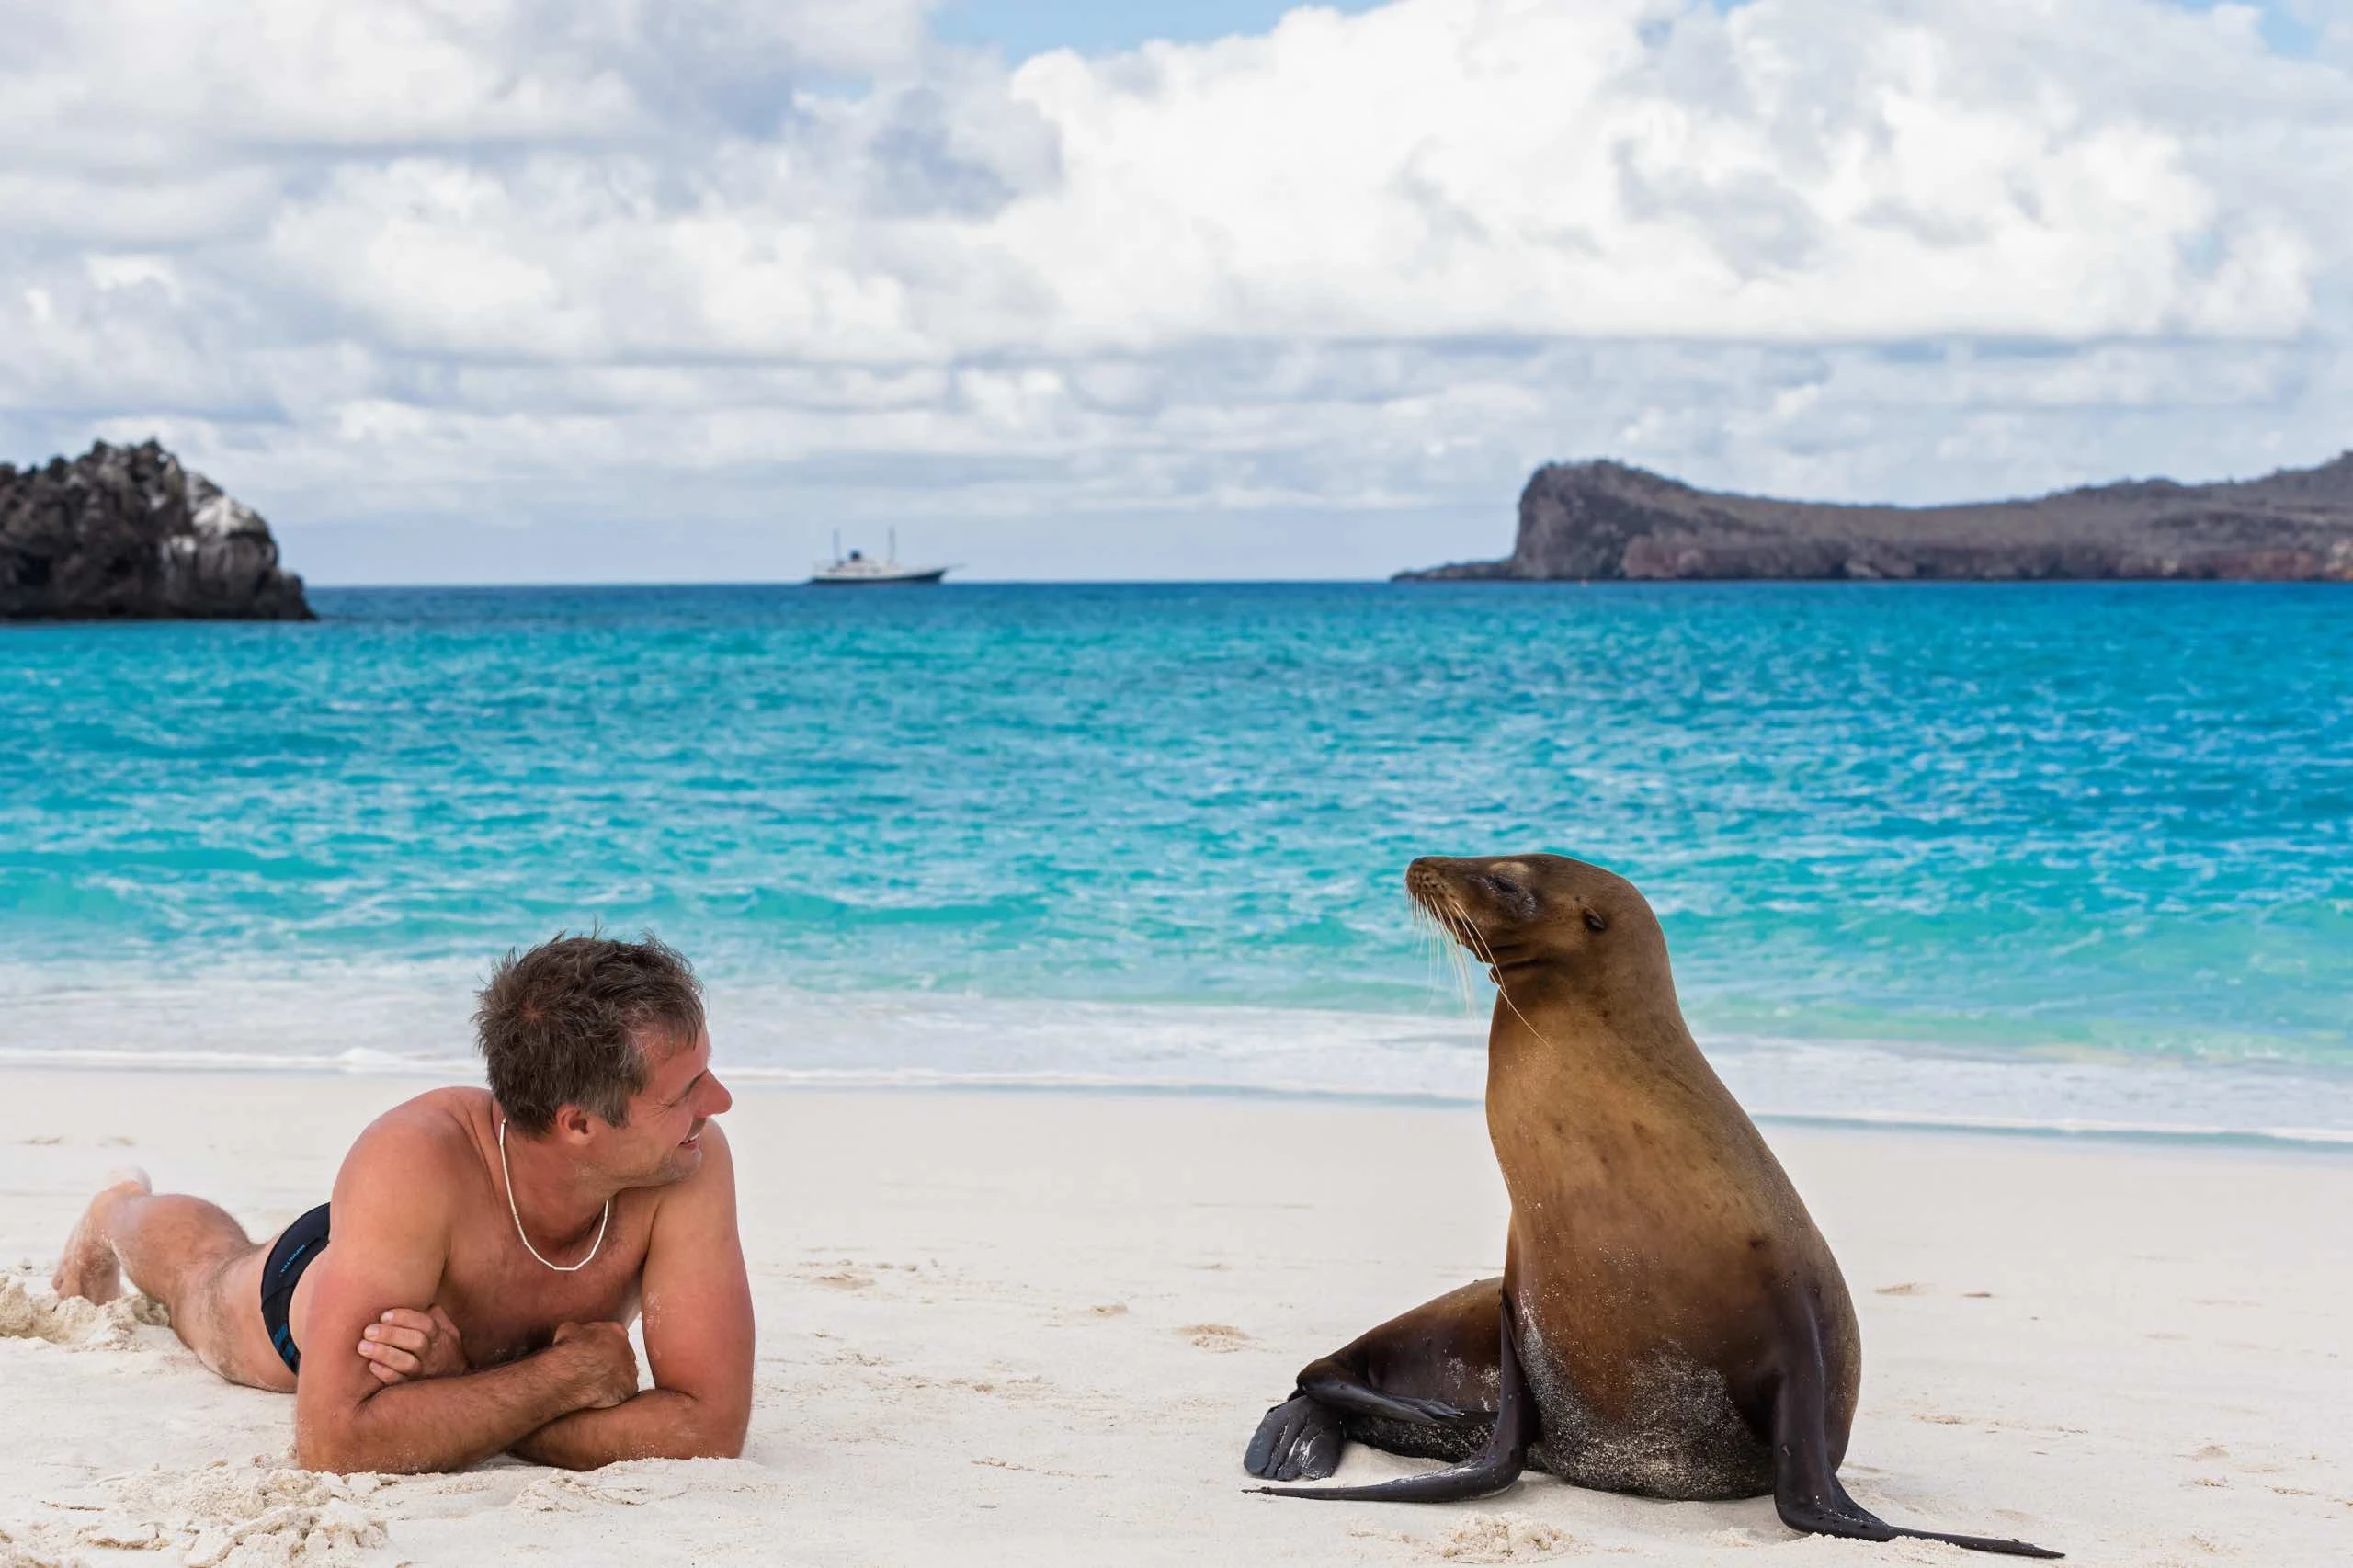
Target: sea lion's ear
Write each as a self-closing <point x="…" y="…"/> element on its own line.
<point x="1595" y="922"/>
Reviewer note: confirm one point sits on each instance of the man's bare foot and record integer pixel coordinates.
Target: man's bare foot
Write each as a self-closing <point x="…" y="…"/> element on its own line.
<point x="89" y="1268"/>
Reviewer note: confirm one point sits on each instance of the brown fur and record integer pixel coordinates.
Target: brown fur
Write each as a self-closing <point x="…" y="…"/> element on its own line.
<point x="1669" y="1321"/>
<point x="1660" y="1260"/>
<point x="1658" y="1252"/>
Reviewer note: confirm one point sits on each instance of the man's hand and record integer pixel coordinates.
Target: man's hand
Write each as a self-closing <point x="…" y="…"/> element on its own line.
<point x="402" y="1345"/>
<point x="699" y="1340"/>
<point x="604" y="1361"/>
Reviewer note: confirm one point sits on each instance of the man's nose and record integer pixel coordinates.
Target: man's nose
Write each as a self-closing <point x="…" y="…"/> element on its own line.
<point x="717" y="1101"/>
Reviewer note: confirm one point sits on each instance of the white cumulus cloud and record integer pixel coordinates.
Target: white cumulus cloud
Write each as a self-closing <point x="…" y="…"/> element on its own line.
<point x="403" y="265"/>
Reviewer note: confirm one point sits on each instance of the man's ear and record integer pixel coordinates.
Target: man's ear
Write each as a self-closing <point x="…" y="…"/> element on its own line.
<point x="572" y="1124"/>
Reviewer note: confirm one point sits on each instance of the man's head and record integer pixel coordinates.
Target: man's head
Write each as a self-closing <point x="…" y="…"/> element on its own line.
<point x="584" y="1035"/>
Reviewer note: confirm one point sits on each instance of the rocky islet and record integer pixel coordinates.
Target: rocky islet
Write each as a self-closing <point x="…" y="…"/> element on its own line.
<point x="1605" y="520"/>
<point x="128" y="533"/>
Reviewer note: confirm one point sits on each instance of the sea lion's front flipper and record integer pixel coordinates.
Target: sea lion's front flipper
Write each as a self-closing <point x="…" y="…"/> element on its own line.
<point x="1492" y="1469"/>
<point x="1806" y="1489"/>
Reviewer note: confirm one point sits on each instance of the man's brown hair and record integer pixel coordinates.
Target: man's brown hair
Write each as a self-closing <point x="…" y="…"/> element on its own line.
<point x="568" y="1023"/>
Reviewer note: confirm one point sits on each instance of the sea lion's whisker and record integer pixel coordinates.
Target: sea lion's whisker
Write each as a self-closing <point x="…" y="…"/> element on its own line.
<point x="1443" y="950"/>
<point x="1448" y="923"/>
<point x="1494" y="971"/>
<point x="1466" y="941"/>
<point x="1442" y="957"/>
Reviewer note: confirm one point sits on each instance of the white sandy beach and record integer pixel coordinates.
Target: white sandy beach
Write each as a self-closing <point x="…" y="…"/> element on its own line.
<point x="1040" y="1327"/>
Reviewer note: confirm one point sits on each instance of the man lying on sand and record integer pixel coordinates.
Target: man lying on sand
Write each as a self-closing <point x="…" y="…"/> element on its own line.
<point x="489" y="1248"/>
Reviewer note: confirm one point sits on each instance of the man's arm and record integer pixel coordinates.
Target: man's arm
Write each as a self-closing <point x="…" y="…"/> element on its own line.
<point x="698" y="1338"/>
<point x="390" y="1243"/>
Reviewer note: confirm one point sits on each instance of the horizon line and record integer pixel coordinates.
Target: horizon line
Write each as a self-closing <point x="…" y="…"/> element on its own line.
<point x="1466" y="583"/>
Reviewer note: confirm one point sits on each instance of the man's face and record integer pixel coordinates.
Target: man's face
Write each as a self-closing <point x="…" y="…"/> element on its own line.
<point x="662" y="1141"/>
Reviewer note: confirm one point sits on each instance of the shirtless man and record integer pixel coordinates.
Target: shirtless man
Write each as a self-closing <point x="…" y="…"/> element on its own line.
<point x="489" y="1248"/>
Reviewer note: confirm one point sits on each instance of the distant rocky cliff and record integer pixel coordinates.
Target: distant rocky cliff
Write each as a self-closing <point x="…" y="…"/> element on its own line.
<point x="1605" y="520"/>
<point x="126" y="533"/>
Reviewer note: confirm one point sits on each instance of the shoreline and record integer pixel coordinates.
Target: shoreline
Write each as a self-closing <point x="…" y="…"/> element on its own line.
<point x="2327" y="1142"/>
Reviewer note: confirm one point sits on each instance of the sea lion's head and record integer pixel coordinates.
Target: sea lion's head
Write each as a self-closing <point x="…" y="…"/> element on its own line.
<point x="1540" y="912"/>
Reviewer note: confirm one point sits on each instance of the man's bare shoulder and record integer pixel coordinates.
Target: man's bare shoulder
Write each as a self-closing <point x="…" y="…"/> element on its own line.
<point x="712" y="1185"/>
<point x="423" y="1147"/>
<point x="718" y="1169"/>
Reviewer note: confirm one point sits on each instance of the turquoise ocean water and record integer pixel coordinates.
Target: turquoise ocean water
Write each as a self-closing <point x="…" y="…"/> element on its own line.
<point x="2054" y="854"/>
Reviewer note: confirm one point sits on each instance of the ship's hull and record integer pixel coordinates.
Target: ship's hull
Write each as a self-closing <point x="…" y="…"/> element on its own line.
<point x="880" y="580"/>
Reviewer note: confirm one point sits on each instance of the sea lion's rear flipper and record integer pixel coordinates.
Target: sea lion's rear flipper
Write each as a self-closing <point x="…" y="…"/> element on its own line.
<point x="1352" y="1396"/>
<point x="1302" y="1439"/>
<point x="1422" y="1384"/>
<point x="1492" y="1469"/>
<point x="1806" y="1489"/>
<point x="1299" y="1440"/>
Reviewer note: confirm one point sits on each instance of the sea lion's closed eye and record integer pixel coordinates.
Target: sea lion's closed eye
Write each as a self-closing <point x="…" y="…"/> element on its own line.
<point x="1595" y="922"/>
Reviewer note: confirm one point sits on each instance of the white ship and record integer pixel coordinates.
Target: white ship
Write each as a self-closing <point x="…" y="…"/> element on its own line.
<point x="859" y="569"/>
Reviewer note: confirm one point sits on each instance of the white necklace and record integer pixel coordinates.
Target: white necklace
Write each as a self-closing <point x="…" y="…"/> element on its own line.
<point x="525" y="1237"/>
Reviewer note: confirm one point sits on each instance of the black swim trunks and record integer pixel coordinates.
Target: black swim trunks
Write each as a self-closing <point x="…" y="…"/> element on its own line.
<point x="302" y="1242"/>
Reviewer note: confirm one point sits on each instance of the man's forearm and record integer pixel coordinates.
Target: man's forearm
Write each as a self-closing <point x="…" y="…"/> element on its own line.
<point x="658" y="1424"/>
<point x="443" y="1423"/>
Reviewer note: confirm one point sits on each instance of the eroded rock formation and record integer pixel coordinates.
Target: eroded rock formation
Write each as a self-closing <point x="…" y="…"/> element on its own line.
<point x="1606" y="520"/>
<point x="125" y="533"/>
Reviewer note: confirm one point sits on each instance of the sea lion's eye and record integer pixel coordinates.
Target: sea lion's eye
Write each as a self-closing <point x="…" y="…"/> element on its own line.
<point x="1594" y="921"/>
<point x="1522" y="903"/>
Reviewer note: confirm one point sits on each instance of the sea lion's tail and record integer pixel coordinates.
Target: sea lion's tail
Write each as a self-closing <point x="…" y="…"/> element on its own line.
<point x="1490" y="1470"/>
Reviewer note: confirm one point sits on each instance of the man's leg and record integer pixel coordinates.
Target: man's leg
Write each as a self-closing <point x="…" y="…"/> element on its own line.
<point x="188" y="1255"/>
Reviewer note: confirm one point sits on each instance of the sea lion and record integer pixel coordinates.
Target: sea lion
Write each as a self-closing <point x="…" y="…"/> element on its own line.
<point x="1669" y="1323"/>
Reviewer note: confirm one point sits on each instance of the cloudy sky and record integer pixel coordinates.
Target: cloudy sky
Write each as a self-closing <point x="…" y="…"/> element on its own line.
<point x="668" y="289"/>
